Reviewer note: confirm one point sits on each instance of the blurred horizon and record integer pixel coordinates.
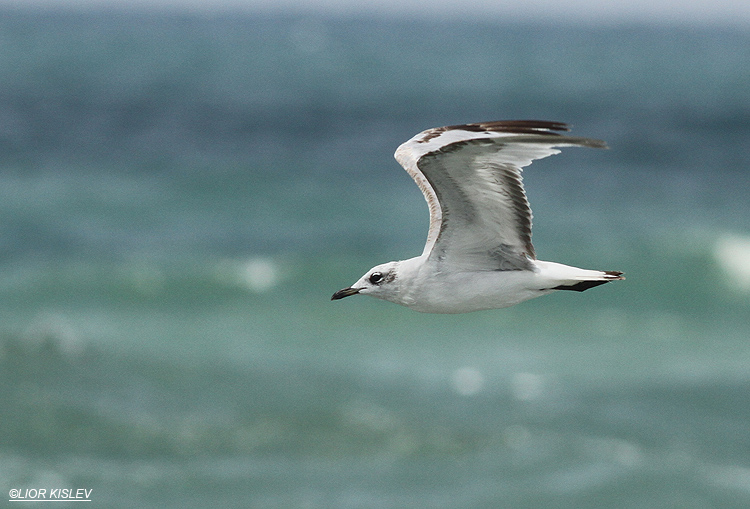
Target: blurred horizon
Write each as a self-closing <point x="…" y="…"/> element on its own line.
<point x="668" y="12"/>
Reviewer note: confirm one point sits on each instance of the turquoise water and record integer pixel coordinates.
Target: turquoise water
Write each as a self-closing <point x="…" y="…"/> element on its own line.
<point x="181" y="195"/>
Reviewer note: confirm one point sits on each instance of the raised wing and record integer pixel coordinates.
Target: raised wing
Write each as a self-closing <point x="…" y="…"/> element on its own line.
<point x="470" y="176"/>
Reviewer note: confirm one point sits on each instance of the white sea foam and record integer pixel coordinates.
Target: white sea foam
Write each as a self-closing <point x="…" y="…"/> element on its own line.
<point x="467" y="381"/>
<point x="732" y="253"/>
<point x="259" y="274"/>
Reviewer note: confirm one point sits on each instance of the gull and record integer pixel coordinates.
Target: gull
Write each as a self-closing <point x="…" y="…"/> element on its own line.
<point x="478" y="253"/>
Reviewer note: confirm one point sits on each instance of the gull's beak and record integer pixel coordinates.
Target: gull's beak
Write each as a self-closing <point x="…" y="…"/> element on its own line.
<point x="345" y="293"/>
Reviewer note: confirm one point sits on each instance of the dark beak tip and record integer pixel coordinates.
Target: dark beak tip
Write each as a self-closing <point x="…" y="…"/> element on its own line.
<point x="346" y="292"/>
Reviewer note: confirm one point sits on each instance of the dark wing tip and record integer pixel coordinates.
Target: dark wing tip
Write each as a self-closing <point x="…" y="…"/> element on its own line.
<point x="582" y="286"/>
<point x="545" y="127"/>
<point x="616" y="274"/>
<point x="514" y="126"/>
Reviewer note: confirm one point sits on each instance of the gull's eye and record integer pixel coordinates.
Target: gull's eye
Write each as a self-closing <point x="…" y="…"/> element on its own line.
<point x="375" y="278"/>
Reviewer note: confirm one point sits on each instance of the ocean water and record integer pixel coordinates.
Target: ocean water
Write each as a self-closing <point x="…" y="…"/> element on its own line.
<point x="180" y="195"/>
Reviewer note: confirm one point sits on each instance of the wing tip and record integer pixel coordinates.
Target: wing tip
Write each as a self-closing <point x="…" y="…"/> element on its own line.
<point x="582" y="286"/>
<point x="513" y="126"/>
<point x="538" y="127"/>
<point x="499" y="126"/>
<point x="614" y="275"/>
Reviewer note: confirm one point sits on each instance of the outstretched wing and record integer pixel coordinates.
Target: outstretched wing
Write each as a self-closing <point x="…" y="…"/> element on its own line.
<point x="470" y="176"/>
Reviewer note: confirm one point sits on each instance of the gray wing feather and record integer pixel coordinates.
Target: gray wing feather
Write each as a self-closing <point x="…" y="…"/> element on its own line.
<point x="471" y="178"/>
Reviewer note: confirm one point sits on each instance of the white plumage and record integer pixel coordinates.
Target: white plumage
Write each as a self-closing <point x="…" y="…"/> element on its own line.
<point x="478" y="253"/>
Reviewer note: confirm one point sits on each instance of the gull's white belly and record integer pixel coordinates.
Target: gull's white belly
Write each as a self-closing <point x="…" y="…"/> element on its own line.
<point x="462" y="292"/>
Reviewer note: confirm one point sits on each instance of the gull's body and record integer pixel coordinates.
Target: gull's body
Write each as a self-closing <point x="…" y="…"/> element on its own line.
<point x="478" y="253"/>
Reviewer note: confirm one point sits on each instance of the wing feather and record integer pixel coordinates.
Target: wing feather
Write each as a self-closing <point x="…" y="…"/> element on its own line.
<point x="471" y="178"/>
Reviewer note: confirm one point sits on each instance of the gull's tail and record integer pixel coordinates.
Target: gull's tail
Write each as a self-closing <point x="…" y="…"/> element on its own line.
<point x="564" y="277"/>
<point x="583" y="285"/>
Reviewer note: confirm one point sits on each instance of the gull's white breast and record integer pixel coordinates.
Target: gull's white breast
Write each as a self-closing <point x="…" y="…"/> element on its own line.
<point x="432" y="290"/>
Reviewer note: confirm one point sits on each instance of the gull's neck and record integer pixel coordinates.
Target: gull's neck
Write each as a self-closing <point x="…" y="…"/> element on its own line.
<point x="407" y="280"/>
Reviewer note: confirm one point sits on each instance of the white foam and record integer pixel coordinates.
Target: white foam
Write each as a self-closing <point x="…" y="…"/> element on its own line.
<point x="467" y="381"/>
<point x="732" y="254"/>
<point x="258" y="274"/>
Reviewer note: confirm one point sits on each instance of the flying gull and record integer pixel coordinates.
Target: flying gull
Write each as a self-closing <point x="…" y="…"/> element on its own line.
<point x="478" y="253"/>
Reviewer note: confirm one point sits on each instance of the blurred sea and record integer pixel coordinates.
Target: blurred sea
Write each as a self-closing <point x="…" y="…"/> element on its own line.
<point x="180" y="194"/>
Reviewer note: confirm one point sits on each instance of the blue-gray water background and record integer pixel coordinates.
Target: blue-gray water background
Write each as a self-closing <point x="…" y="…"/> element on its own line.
<point x="181" y="194"/>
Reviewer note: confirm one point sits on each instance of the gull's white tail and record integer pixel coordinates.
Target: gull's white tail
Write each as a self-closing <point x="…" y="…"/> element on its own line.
<point x="557" y="276"/>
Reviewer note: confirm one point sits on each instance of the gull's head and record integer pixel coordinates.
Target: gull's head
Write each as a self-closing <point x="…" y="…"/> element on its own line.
<point x="380" y="282"/>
